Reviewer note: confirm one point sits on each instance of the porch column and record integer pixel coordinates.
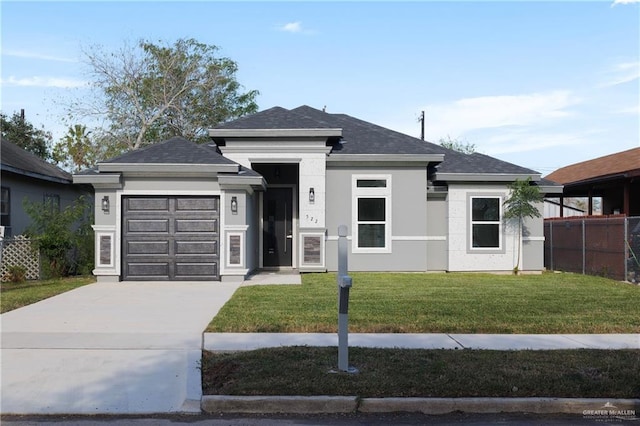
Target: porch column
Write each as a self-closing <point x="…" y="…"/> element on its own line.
<point x="626" y="197"/>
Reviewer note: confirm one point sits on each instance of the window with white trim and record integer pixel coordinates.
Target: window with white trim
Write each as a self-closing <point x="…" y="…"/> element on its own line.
<point x="371" y="213"/>
<point x="486" y="223"/>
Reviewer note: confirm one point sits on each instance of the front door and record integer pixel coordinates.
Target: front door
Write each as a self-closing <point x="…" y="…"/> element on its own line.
<point x="277" y="234"/>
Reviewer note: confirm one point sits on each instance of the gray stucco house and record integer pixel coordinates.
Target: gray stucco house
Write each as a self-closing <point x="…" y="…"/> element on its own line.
<point x="26" y="176"/>
<point x="272" y="188"/>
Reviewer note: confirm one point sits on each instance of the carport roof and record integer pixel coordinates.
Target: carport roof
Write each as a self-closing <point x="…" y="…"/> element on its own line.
<point x="620" y="163"/>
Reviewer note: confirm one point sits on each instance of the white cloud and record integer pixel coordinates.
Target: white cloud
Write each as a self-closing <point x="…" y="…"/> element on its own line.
<point x="486" y="112"/>
<point x="43" y="82"/>
<point x="622" y="72"/>
<point x="295" y="28"/>
<point x="292" y="27"/>
<point x="35" y="55"/>
<point x="510" y="142"/>
<point x="617" y="2"/>
<point x="633" y="110"/>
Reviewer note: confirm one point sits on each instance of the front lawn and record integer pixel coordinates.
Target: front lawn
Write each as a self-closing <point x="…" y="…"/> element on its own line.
<point x="424" y="373"/>
<point x="438" y="303"/>
<point x="17" y="295"/>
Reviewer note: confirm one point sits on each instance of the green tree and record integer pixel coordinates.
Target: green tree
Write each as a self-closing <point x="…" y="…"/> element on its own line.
<point x="24" y="134"/>
<point x="63" y="237"/>
<point x="457" y="145"/>
<point x="80" y="149"/>
<point x="521" y="204"/>
<point x="151" y="92"/>
<point x="75" y="151"/>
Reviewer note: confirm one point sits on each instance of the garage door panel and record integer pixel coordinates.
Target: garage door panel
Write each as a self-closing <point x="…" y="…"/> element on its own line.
<point x="148" y="247"/>
<point x="197" y="204"/>
<point x="170" y="238"/>
<point x="197" y="247"/>
<point x="194" y="225"/>
<point x="186" y="270"/>
<point x="151" y="269"/>
<point x="148" y="226"/>
<point x="148" y="204"/>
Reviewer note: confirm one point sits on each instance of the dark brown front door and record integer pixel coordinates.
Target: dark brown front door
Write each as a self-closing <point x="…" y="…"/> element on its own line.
<point x="277" y="234"/>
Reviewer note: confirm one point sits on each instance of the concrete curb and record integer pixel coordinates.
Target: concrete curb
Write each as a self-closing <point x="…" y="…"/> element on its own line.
<point x="279" y="404"/>
<point x="496" y="405"/>
<point x="630" y="408"/>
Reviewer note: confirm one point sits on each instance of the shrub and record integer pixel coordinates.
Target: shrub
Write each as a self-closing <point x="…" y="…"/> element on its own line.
<point x="16" y="273"/>
<point x="64" y="237"/>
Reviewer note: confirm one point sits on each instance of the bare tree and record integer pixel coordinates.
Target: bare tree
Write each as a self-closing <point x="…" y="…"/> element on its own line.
<point x="151" y="92"/>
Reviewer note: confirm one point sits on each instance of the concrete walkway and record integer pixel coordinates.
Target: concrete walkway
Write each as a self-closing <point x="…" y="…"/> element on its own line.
<point x="249" y="341"/>
<point x="109" y="348"/>
<point x="133" y="348"/>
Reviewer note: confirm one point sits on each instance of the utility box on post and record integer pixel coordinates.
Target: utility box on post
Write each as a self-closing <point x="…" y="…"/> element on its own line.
<point x="344" y="285"/>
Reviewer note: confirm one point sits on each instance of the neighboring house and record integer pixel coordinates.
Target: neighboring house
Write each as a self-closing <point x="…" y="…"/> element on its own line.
<point x="27" y="176"/>
<point x="615" y="178"/>
<point x="272" y="190"/>
<point x="552" y="208"/>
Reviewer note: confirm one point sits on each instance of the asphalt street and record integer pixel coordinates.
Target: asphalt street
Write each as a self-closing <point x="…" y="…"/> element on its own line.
<point x="298" y="420"/>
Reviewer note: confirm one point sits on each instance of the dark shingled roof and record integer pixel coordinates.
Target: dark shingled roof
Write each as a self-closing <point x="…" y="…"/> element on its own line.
<point x="176" y="150"/>
<point x="18" y="160"/>
<point x="457" y="162"/>
<point x="362" y="137"/>
<point x="274" y="118"/>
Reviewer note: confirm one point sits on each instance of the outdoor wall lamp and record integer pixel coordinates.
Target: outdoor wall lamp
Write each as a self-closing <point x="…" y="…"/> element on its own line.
<point x="312" y="196"/>
<point x="105" y="204"/>
<point x="234" y="205"/>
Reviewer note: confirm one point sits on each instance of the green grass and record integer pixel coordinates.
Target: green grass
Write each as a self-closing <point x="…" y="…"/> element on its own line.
<point x="424" y="373"/>
<point x="438" y="303"/>
<point x="17" y="295"/>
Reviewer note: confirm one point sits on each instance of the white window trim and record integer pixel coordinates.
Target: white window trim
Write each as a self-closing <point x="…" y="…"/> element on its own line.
<point x="242" y="250"/>
<point x="494" y="222"/>
<point x="322" y="237"/>
<point x="103" y="268"/>
<point x="357" y="193"/>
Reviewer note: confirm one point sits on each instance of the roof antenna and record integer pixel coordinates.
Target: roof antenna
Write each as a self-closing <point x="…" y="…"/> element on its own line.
<point x="324" y="108"/>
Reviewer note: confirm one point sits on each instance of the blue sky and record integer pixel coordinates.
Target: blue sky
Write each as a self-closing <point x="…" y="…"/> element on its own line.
<point x="539" y="84"/>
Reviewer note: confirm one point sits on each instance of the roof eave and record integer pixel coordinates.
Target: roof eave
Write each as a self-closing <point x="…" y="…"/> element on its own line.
<point x="551" y="189"/>
<point x="231" y="181"/>
<point x="102" y="180"/>
<point x="385" y="158"/>
<point x="485" y="177"/>
<point x="601" y="179"/>
<point x="165" y="169"/>
<point x="19" y="171"/>
<point x="274" y="133"/>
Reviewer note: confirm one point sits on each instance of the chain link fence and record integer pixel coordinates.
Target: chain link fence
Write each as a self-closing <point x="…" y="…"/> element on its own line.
<point x="607" y="246"/>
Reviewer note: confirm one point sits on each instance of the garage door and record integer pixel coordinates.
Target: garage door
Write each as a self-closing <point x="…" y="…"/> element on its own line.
<point x="170" y="238"/>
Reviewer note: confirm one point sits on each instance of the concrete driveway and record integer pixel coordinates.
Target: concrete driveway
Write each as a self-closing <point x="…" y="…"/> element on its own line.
<point x="109" y="348"/>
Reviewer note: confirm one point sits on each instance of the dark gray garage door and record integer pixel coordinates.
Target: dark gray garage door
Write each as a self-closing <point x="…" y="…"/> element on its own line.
<point x="170" y="238"/>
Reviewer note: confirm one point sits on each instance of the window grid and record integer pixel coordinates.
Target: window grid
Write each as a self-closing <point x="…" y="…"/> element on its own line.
<point x="371" y="223"/>
<point x="486" y="223"/>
